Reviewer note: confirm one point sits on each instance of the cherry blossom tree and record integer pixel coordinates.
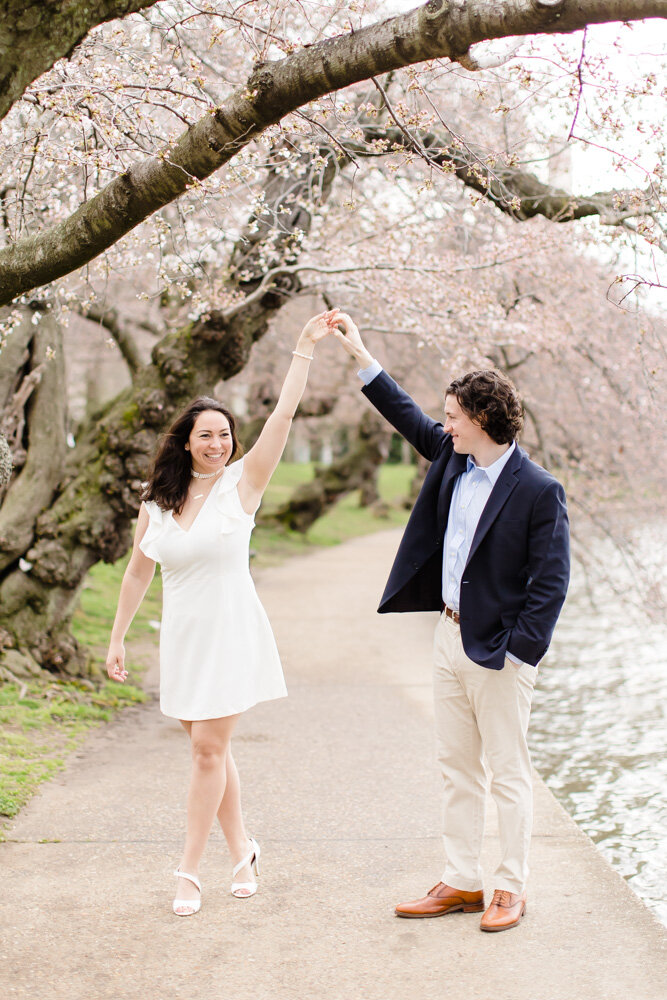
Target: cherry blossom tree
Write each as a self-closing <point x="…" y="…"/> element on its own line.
<point x="223" y="159"/>
<point x="274" y="89"/>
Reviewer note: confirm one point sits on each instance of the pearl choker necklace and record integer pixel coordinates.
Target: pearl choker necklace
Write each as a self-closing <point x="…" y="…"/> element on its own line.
<point x="206" y="475"/>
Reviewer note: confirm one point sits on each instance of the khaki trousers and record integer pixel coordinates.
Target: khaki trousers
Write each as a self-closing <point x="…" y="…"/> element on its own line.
<point x="482" y="713"/>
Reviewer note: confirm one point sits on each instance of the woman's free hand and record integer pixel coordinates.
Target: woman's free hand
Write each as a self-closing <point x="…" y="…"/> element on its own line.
<point x="351" y="340"/>
<point x="115" y="663"/>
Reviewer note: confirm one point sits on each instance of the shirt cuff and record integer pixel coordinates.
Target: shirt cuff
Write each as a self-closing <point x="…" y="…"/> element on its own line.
<point x="368" y="374"/>
<point x="514" y="659"/>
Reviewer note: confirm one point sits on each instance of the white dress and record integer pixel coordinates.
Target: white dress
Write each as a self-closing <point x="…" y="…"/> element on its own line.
<point x="217" y="652"/>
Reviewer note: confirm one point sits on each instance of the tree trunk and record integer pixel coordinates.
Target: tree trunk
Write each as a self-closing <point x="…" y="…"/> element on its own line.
<point x="417" y="481"/>
<point x="44" y="412"/>
<point x="97" y="497"/>
<point x="356" y="470"/>
<point x="91" y="517"/>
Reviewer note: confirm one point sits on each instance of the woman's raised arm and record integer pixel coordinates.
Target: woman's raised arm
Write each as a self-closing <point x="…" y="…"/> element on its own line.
<point x="263" y="457"/>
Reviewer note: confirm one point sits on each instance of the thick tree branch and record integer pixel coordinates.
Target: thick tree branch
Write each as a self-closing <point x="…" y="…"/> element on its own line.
<point x="34" y="34"/>
<point x="6" y="465"/>
<point x="514" y="191"/>
<point x="438" y="29"/>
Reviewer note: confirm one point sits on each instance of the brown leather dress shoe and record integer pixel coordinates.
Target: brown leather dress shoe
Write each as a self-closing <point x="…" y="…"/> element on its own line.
<point x="442" y="899"/>
<point x="505" y="911"/>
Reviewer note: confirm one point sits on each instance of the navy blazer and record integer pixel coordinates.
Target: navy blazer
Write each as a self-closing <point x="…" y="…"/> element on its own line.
<point x="515" y="580"/>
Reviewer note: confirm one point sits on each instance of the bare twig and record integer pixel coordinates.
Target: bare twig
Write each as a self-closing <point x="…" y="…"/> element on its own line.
<point x="580" y="76"/>
<point x="270" y="277"/>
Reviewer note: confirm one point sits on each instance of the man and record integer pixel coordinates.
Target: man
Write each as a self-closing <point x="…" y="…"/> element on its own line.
<point x="487" y="545"/>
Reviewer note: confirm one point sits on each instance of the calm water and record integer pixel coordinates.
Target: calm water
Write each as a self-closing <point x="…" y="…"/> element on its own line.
<point x="599" y="729"/>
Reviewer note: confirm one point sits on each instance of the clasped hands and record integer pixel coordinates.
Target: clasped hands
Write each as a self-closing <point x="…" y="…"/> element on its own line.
<point x="338" y="324"/>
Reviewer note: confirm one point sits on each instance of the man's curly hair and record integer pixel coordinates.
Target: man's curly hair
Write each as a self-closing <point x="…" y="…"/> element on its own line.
<point x="491" y="399"/>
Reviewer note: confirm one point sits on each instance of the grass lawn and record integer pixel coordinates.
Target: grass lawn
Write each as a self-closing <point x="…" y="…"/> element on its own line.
<point x="42" y="721"/>
<point x="346" y="520"/>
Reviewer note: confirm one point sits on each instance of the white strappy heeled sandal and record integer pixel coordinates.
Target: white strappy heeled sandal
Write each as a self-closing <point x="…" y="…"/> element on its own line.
<point x="243" y="890"/>
<point x="191" y="905"/>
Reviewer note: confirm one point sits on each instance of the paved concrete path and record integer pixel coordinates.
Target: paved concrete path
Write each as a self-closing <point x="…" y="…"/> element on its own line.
<point x="341" y="792"/>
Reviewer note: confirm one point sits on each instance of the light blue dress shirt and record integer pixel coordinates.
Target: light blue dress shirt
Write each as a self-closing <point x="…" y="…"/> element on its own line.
<point x="368" y="374"/>
<point x="472" y="490"/>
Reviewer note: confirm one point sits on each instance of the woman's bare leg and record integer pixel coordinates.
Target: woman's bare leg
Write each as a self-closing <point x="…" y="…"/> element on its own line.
<point x="210" y="740"/>
<point x="230" y="816"/>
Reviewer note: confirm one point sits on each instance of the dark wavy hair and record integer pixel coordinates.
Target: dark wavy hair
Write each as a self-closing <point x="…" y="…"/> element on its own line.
<point x="491" y="399"/>
<point x="171" y="471"/>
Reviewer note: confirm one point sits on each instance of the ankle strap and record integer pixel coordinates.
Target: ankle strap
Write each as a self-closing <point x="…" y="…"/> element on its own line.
<point x="248" y="859"/>
<point x="191" y="878"/>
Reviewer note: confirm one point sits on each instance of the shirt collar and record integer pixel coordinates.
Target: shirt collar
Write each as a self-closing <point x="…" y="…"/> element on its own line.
<point x="492" y="471"/>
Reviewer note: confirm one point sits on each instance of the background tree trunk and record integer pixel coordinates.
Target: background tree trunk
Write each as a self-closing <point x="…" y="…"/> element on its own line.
<point x="86" y="515"/>
<point x="38" y="424"/>
<point x="357" y="469"/>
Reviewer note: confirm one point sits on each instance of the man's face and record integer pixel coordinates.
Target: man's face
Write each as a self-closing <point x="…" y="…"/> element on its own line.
<point x="467" y="435"/>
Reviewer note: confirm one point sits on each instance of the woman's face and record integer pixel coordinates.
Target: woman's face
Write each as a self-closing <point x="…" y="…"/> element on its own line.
<point x="210" y="442"/>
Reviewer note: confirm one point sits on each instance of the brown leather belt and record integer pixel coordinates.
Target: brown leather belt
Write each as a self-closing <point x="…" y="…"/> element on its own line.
<point x="448" y="613"/>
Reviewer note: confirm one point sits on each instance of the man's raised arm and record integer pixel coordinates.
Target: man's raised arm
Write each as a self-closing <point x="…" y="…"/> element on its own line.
<point x="421" y="431"/>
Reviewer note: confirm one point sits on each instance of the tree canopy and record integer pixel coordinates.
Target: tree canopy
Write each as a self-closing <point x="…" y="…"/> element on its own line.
<point x="189" y="169"/>
<point x="274" y="89"/>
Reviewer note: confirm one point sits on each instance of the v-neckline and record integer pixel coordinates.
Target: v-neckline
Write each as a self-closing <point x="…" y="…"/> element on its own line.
<point x="186" y="531"/>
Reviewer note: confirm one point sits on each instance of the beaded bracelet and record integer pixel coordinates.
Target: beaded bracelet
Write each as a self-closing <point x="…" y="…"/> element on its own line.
<point x="297" y="354"/>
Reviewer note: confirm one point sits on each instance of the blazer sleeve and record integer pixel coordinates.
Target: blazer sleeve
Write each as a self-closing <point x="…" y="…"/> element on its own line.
<point x="549" y="574"/>
<point x="426" y="435"/>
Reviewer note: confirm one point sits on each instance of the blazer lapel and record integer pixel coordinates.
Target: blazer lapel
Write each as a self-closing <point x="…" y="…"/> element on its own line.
<point x="505" y="483"/>
<point x="456" y="464"/>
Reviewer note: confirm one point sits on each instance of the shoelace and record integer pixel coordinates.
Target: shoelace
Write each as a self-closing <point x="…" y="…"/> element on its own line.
<point x="501" y="897"/>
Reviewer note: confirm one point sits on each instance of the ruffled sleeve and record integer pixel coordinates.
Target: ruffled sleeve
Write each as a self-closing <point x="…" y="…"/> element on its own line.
<point x="227" y="502"/>
<point x="148" y="543"/>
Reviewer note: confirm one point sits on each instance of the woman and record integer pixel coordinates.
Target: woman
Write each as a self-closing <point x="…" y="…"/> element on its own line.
<point x="217" y="653"/>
